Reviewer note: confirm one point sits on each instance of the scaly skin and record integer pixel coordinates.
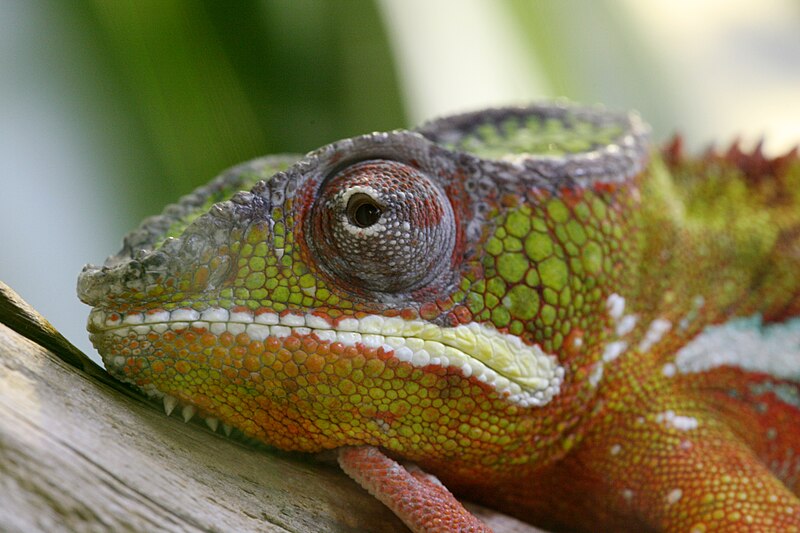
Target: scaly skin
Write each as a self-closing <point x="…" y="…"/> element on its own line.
<point x="532" y="304"/>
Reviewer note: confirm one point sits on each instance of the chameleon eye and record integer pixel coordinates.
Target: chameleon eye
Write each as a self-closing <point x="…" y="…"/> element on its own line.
<point x="362" y="210"/>
<point x="382" y="226"/>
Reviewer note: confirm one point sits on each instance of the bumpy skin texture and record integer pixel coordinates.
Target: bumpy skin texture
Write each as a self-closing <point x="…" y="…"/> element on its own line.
<point x="533" y="304"/>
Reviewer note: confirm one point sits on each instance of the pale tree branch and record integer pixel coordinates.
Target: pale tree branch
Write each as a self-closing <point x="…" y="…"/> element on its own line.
<point x="82" y="452"/>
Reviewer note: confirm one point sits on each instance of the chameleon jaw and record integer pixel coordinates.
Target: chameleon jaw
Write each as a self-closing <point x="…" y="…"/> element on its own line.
<point x="522" y="374"/>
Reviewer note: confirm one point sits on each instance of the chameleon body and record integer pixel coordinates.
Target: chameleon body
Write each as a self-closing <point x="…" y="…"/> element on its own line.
<point x="533" y="304"/>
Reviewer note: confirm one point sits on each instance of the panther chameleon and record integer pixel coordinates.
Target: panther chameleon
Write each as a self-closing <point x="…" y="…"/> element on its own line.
<point x="552" y="316"/>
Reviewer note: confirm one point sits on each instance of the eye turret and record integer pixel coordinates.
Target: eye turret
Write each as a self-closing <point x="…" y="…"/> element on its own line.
<point x="383" y="226"/>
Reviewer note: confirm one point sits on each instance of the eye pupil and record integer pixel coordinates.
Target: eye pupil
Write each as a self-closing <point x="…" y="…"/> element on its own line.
<point x="363" y="211"/>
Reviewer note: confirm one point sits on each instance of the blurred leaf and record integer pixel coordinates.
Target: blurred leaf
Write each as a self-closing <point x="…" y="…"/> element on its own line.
<point x="211" y="84"/>
<point x="593" y="52"/>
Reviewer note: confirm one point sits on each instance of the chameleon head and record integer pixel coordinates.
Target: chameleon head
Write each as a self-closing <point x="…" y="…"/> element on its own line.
<point x="358" y="296"/>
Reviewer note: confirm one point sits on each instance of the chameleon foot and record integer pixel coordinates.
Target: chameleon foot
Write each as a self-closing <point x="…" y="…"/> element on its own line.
<point x="417" y="498"/>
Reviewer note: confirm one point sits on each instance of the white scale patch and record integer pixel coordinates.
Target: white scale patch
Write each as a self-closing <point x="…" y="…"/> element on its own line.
<point x="746" y="343"/>
<point x="624" y="324"/>
<point x="675" y="421"/>
<point x="674" y="496"/>
<point x="787" y="393"/>
<point x="597" y="374"/>
<point x="616" y="306"/>
<point x="655" y="332"/>
<point x="525" y="374"/>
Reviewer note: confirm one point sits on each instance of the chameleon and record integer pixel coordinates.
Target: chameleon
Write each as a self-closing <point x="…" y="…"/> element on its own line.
<point x="534" y="308"/>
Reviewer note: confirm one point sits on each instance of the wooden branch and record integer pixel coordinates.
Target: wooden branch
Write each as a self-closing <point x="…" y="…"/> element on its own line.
<point x="82" y="452"/>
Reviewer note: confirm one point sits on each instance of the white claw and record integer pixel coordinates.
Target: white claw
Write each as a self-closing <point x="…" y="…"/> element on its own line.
<point x="227" y="429"/>
<point x="212" y="423"/>
<point x="169" y="403"/>
<point x="188" y="412"/>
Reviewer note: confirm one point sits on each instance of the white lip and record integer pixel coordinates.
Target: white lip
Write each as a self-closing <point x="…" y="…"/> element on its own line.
<point x="523" y="374"/>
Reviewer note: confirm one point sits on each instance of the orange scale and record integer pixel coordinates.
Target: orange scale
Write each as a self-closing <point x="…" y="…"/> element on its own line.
<point x="292" y="343"/>
<point x="343" y="368"/>
<point x="255" y="348"/>
<point x="267" y="359"/>
<point x="323" y="349"/>
<point x="370" y="354"/>
<point x="337" y="348"/>
<point x="408" y="314"/>
<point x="194" y="348"/>
<point x="291" y="369"/>
<point x="314" y="363"/>
<point x="352" y="351"/>
<point x="252" y="363"/>
<point x="226" y="339"/>
<point x="429" y="311"/>
<point x="242" y="339"/>
<point x="315" y="380"/>
<point x="383" y="354"/>
<point x="299" y="357"/>
<point x="272" y="344"/>
<point x="184" y="367"/>
<point x="283" y="355"/>
<point x="462" y="314"/>
<point x="309" y="344"/>
<point x="208" y="339"/>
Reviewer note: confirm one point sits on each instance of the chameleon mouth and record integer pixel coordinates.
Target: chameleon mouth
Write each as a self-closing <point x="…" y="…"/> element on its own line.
<point x="520" y="373"/>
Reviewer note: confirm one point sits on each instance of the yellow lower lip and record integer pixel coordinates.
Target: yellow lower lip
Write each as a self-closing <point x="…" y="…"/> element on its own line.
<point x="522" y="373"/>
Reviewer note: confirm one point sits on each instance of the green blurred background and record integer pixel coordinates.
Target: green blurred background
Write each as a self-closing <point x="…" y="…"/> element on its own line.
<point x="112" y="108"/>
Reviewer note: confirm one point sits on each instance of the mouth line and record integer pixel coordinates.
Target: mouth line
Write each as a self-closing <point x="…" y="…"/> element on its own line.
<point x="520" y="373"/>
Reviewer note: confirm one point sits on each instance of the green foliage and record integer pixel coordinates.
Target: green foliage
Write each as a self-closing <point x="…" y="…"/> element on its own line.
<point x="209" y="84"/>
